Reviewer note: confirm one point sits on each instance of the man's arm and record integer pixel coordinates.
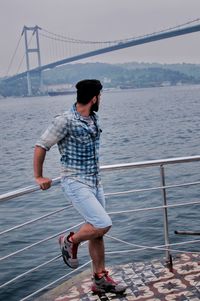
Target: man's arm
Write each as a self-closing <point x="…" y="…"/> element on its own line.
<point x="39" y="157"/>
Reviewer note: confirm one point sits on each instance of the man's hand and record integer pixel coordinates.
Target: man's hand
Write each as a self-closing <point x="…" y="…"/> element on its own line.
<point x="39" y="156"/>
<point x="45" y="183"/>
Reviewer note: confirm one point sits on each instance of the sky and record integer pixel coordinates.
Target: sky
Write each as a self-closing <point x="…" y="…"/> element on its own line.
<point x="104" y="20"/>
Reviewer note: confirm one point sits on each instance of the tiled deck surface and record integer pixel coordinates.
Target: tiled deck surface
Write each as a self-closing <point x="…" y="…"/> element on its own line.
<point x="151" y="281"/>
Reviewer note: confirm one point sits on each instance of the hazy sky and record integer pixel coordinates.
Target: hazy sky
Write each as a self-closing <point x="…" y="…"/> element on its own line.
<point x="104" y="20"/>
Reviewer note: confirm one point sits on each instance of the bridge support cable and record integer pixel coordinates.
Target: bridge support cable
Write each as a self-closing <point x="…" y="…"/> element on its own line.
<point x="13" y="56"/>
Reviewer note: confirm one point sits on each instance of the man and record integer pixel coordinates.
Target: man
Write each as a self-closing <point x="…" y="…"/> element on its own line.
<point x="77" y="135"/>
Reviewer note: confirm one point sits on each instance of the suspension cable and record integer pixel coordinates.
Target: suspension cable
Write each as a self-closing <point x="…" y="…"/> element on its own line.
<point x="73" y="40"/>
<point x="13" y="56"/>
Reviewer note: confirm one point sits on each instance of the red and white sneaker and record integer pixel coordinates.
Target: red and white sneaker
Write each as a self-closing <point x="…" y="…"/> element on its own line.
<point x="69" y="251"/>
<point x="106" y="284"/>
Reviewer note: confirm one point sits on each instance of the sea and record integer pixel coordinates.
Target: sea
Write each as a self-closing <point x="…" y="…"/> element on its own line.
<point x="137" y="125"/>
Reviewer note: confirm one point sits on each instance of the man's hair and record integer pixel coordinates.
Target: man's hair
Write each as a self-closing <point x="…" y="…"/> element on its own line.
<point x="87" y="89"/>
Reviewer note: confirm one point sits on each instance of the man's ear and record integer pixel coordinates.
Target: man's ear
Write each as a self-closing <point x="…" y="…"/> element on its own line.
<point x="94" y="99"/>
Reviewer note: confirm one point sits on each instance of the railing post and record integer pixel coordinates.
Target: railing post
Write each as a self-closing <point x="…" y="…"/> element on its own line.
<point x="166" y="228"/>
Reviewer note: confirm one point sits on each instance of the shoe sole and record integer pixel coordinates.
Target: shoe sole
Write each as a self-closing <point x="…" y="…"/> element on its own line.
<point x="108" y="290"/>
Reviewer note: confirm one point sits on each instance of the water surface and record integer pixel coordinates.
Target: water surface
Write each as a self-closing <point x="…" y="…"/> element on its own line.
<point x="142" y="124"/>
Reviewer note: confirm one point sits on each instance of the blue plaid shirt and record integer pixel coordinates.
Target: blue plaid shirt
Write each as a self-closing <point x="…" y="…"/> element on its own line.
<point x="78" y="144"/>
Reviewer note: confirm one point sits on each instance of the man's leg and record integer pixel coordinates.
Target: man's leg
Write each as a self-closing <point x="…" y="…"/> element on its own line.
<point x="97" y="254"/>
<point x="96" y="244"/>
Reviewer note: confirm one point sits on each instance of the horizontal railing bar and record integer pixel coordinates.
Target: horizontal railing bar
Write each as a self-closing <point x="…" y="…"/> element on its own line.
<point x="151" y="163"/>
<point x="26" y="190"/>
<point x="39" y="242"/>
<point x="23" y="191"/>
<point x="151" y="189"/>
<point x="155" y="208"/>
<point x="34" y="220"/>
<point x="106" y="194"/>
<point x="12" y="195"/>
<point x="30" y="271"/>
<point x="114" y="212"/>
<point x="55" y="281"/>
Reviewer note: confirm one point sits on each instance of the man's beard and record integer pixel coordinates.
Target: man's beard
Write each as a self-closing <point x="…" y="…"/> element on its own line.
<point x="94" y="107"/>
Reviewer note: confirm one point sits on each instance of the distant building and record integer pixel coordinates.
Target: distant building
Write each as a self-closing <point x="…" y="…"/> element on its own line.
<point x="166" y="84"/>
<point x="106" y="80"/>
<point x="58" y="87"/>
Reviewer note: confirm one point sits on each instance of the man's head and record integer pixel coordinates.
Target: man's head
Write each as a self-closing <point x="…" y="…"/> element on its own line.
<point x="87" y="90"/>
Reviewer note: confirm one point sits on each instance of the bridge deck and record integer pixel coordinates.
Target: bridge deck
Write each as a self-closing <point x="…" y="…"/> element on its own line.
<point x="147" y="281"/>
<point x="169" y="33"/>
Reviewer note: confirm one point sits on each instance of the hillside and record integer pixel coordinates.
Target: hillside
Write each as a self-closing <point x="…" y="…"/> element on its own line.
<point x="132" y="74"/>
<point x="127" y="75"/>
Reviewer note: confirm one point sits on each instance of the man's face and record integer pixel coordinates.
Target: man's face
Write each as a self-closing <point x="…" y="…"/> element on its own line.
<point x="95" y="106"/>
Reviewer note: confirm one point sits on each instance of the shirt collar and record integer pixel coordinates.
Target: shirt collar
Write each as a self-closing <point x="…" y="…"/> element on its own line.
<point x="78" y="115"/>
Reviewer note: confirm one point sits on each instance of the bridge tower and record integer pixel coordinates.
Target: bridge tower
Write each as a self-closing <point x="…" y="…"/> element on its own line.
<point x="28" y="51"/>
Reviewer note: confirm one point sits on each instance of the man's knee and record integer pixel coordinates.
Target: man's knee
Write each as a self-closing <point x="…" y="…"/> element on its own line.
<point x="105" y="230"/>
<point x="102" y="231"/>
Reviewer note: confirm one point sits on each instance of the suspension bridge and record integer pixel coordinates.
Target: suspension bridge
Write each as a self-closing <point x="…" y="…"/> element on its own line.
<point x="67" y="50"/>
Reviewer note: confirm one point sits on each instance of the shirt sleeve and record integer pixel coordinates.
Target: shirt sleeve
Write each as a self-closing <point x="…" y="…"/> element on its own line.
<point x="54" y="133"/>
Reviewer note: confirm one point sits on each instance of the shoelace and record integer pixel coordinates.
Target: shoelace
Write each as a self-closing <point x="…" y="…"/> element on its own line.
<point x="109" y="279"/>
<point x="105" y="274"/>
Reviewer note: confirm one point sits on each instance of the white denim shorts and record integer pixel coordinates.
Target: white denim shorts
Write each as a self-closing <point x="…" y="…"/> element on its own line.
<point x="88" y="201"/>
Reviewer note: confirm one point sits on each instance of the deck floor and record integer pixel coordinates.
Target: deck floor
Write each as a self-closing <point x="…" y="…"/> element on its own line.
<point x="146" y="281"/>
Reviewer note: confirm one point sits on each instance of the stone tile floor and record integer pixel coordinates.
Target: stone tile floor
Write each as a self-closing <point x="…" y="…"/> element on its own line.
<point x="146" y="281"/>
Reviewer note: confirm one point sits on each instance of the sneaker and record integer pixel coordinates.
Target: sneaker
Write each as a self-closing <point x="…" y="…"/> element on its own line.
<point x="69" y="251"/>
<point x="106" y="284"/>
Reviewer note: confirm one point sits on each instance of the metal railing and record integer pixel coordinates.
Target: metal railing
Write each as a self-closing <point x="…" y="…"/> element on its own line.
<point x="167" y="247"/>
